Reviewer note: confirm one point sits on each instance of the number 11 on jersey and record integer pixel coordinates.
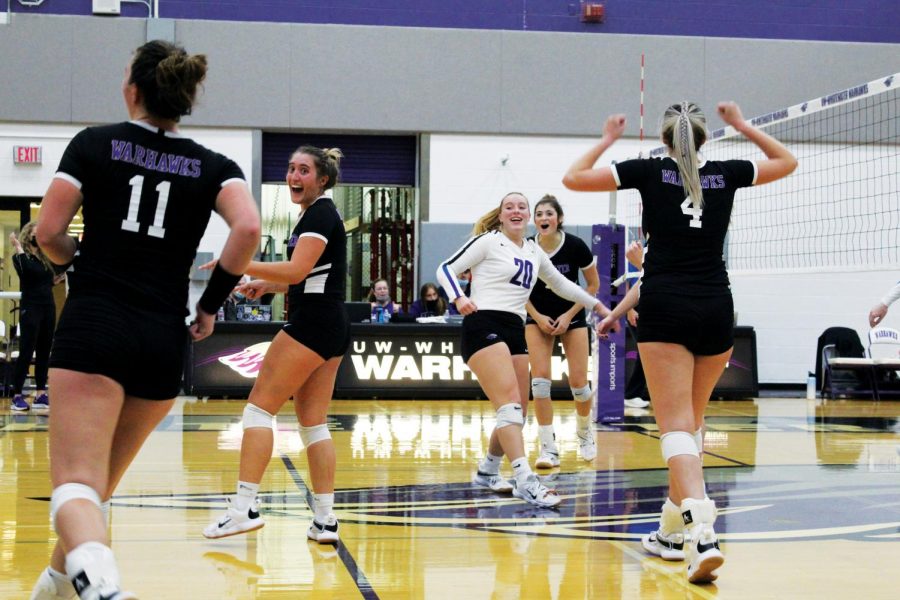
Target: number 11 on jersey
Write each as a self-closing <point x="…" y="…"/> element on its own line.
<point x="131" y="223"/>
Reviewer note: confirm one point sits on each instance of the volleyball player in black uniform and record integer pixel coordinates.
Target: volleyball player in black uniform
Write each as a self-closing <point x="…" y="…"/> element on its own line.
<point x="146" y="194"/>
<point x="685" y="331"/>
<point x="550" y="316"/>
<point x="304" y="357"/>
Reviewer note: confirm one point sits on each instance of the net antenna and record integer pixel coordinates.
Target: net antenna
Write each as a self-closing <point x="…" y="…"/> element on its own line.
<point x="839" y="210"/>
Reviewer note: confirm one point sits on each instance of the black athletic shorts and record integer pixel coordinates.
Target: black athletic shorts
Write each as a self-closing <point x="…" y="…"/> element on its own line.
<point x="322" y="327"/>
<point x="141" y="350"/>
<point x="488" y="327"/>
<point x="702" y="324"/>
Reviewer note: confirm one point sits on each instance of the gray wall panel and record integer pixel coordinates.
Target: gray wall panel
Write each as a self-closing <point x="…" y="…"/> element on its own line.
<point x="36" y="69"/>
<point x="569" y="84"/>
<point x="393" y="79"/>
<point x="251" y="72"/>
<point x="97" y="70"/>
<point x="765" y="75"/>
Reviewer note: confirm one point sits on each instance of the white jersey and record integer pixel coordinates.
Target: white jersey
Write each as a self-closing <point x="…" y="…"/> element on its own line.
<point x="504" y="273"/>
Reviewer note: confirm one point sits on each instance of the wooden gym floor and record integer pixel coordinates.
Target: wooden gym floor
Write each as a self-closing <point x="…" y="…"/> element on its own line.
<point x="808" y="493"/>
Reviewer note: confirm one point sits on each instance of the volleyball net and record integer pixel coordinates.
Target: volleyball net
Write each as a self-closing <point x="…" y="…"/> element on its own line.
<point x="839" y="209"/>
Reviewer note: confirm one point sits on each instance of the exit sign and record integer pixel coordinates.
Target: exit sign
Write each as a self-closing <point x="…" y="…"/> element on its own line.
<point x="27" y="155"/>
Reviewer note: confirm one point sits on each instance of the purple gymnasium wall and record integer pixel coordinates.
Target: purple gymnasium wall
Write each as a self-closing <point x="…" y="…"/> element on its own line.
<point x="823" y="20"/>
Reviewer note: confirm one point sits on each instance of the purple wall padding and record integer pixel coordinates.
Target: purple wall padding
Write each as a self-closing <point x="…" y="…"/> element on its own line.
<point x="824" y="20"/>
<point x="368" y="159"/>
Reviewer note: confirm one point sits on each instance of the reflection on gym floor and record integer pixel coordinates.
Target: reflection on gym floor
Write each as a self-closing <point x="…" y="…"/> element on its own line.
<point x="809" y="499"/>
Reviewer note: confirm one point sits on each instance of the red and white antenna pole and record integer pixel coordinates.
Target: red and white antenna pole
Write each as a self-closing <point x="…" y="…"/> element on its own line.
<point x="642" y="98"/>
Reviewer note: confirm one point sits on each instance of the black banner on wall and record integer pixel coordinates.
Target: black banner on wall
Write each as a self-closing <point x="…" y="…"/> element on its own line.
<point x="401" y="361"/>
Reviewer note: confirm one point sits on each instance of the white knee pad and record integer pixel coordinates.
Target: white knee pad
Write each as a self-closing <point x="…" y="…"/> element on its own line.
<point x="510" y="414"/>
<point x="254" y="416"/>
<point x="540" y="387"/>
<point x="71" y="491"/>
<point x="582" y="394"/>
<point x="698" y="439"/>
<point x="678" y="442"/>
<point x="314" y="434"/>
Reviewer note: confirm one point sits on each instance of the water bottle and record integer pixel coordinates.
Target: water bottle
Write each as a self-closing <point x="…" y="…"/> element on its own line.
<point x="811" y="386"/>
<point x="378" y="314"/>
<point x="220" y="316"/>
<point x="385" y="316"/>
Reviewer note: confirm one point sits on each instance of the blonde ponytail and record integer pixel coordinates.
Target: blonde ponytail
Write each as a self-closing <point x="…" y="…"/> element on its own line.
<point x="684" y="131"/>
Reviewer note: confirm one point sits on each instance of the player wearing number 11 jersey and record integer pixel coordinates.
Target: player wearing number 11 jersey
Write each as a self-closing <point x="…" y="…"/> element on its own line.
<point x="505" y="266"/>
<point x="146" y="194"/>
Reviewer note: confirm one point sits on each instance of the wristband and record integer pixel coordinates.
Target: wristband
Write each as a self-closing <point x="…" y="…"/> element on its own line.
<point x="220" y="285"/>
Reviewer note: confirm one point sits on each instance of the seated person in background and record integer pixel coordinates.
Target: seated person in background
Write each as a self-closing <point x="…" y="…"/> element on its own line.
<point x="879" y="311"/>
<point x="430" y="302"/>
<point x="379" y="295"/>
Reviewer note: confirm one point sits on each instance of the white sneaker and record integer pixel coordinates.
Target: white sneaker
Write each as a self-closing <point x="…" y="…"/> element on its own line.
<point x="49" y="587"/>
<point x="705" y="555"/>
<point x="667" y="547"/>
<point x="493" y="482"/>
<point x="703" y="551"/>
<point x="324" y="533"/>
<point x="234" y="522"/>
<point x="587" y="445"/>
<point x="535" y="492"/>
<point x="636" y="402"/>
<point x="104" y="590"/>
<point x="547" y="460"/>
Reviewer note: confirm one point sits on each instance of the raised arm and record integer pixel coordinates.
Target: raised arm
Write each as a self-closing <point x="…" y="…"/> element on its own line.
<point x="582" y="176"/>
<point x="780" y="162"/>
<point x="879" y="311"/>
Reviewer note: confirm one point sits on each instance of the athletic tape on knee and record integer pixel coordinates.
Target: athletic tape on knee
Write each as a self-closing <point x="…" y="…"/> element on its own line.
<point x="510" y="414"/>
<point x="582" y="394"/>
<point x="540" y="387"/>
<point x="698" y="439"/>
<point x="254" y="416"/>
<point x="675" y="443"/>
<point x="71" y="491"/>
<point x="314" y="434"/>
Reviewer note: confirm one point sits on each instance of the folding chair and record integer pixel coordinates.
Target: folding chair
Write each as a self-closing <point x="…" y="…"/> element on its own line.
<point x="884" y="350"/>
<point x="845" y="369"/>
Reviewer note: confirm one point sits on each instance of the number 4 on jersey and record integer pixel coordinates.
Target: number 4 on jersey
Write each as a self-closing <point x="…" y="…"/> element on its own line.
<point x="131" y="223"/>
<point x="695" y="213"/>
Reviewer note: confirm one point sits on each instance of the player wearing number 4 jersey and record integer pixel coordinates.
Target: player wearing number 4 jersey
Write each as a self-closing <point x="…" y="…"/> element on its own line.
<point x="146" y="194"/>
<point x="505" y="267"/>
<point x="685" y="333"/>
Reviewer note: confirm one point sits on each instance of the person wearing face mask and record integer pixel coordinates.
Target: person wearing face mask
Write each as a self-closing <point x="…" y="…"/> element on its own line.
<point x="380" y="297"/>
<point x="505" y="266"/>
<point x="430" y="302"/>
<point x="550" y="318"/>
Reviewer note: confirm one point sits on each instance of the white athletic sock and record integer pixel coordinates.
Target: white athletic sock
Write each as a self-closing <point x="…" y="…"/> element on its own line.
<point x="246" y="493"/>
<point x="670" y="521"/>
<point x="521" y="470"/>
<point x="582" y="422"/>
<point x="324" y="505"/>
<point x="490" y="464"/>
<point x="548" y="438"/>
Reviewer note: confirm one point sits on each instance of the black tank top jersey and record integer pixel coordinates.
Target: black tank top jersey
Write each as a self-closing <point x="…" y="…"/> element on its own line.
<point x="569" y="258"/>
<point x="686" y="248"/>
<point x="327" y="279"/>
<point x="147" y="198"/>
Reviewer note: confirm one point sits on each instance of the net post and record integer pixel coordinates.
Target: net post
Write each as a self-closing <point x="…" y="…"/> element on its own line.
<point x="608" y="246"/>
